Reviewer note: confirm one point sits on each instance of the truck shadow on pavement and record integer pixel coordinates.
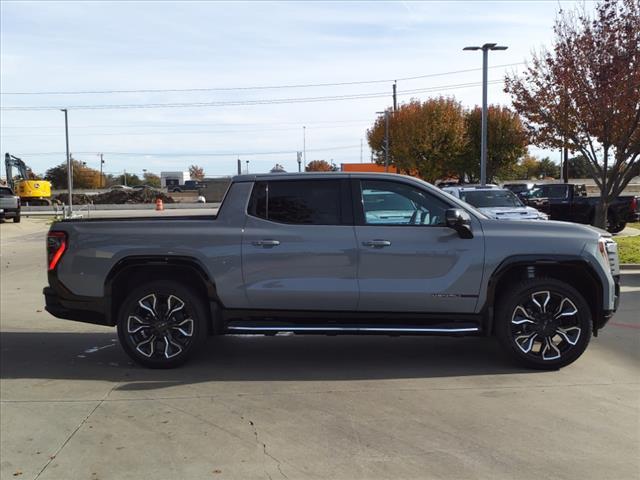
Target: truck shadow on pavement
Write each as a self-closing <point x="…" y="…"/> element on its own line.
<point x="98" y="356"/>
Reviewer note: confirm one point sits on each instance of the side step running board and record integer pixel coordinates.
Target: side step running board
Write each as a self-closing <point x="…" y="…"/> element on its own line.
<point x="242" y="327"/>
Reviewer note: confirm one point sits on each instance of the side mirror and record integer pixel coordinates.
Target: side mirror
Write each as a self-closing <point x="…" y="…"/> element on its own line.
<point x="460" y="221"/>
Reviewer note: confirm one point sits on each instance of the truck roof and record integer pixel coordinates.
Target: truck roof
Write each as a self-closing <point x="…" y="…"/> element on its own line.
<point x="307" y="175"/>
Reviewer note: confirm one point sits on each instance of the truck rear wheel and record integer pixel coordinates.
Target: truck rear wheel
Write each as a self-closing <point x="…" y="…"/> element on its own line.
<point x="16" y="219"/>
<point x="543" y="323"/>
<point x="162" y="324"/>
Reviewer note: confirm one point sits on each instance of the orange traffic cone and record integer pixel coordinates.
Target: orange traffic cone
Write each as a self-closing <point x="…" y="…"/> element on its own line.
<point x="159" y="205"/>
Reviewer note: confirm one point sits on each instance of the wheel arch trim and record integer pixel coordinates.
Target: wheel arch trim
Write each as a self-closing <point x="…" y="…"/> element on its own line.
<point x="520" y="261"/>
<point x="180" y="261"/>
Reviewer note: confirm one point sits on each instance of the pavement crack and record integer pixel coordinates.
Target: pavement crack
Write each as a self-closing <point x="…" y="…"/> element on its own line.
<point x="265" y="453"/>
<point x="68" y="439"/>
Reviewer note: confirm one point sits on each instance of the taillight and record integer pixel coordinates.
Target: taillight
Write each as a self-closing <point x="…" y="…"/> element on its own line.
<point x="56" y="246"/>
<point x="634" y="204"/>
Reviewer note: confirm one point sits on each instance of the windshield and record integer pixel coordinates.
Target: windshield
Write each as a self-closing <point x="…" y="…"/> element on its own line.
<point x="491" y="198"/>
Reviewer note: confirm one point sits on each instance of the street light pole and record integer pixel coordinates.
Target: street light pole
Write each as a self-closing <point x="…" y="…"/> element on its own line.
<point x="483" y="149"/>
<point x="69" y="166"/>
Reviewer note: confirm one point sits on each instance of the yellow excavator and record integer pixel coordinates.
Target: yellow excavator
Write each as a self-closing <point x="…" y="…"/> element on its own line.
<point x="31" y="192"/>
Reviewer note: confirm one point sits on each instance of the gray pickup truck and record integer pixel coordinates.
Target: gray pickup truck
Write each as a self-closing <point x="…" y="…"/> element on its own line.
<point x="335" y="253"/>
<point x="9" y="204"/>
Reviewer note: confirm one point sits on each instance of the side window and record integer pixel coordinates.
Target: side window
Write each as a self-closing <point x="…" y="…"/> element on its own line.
<point x="555" y="191"/>
<point x="308" y="202"/>
<point x="393" y="203"/>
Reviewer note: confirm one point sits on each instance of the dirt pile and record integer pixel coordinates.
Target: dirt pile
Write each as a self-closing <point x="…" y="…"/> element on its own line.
<point x="118" y="197"/>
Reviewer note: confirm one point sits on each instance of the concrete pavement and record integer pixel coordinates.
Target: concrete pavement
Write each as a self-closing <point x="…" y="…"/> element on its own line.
<point x="72" y="406"/>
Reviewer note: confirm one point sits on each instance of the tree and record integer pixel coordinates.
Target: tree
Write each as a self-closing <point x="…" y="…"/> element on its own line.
<point x="131" y="180"/>
<point x="579" y="167"/>
<point x="426" y="138"/>
<point x="196" y="172"/>
<point x="530" y="166"/>
<point x="584" y="94"/>
<point x="83" y="176"/>
<point x="506" y="142"/>
<point x="547" y="168"/>
<point x="151" y="179"/>
<point x="319" y="166"/>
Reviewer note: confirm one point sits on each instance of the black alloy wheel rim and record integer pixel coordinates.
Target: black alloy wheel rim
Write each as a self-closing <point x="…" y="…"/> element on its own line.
<point x="160" y="326"/>
<point x="545" y="325"/>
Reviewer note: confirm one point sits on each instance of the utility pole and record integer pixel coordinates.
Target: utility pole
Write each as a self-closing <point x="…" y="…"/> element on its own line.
<point x="304" y="145"/>
<point x="483" y="152"/>
<point x="239" y="166"/>
<point x="101" y="178"/>
<point x="299" y="158"/>
<point x="395" y="99"/>
<point x="69" y="165"/>
<point x="247" y="165"/>
<point x="125" y="177"/>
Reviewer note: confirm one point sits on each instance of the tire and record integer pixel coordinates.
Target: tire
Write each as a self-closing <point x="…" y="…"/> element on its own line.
<point x="157" y="340"/>
<point x="617" y="228"/>
<point x="16" y="219"/>
<point x="543" y="323"/>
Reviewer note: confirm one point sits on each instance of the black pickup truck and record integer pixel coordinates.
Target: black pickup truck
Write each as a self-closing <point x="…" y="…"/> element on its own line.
<point x="569" y="202"/>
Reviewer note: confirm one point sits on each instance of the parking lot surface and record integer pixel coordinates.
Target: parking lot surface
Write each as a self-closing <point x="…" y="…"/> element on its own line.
<point x="72" y="406"/>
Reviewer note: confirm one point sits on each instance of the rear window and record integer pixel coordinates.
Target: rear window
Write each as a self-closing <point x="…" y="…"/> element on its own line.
<point x="308" y="202"/>
<point x="5" y="192"/>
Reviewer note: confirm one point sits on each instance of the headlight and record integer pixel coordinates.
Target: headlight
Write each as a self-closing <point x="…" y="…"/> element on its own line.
<point x="609" y="251"/>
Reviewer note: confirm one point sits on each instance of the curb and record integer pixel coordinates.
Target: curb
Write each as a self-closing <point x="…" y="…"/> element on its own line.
<point x="630" y="266"/>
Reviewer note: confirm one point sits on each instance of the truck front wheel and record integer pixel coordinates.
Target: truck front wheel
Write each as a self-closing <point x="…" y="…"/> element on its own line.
<point x="161" y="324"/>
<point x="543" y="323"/>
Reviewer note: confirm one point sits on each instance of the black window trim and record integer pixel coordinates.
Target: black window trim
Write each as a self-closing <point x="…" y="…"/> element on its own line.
<point x="358" y="207"/>
<point x="346" y="201"/>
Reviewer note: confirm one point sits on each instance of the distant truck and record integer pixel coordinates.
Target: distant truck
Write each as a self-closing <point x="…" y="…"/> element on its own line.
<point x="9" y="204"/>
<point x="187" y="186"/>
<point x="170" y="180"/>
<point x="569" y="202"/>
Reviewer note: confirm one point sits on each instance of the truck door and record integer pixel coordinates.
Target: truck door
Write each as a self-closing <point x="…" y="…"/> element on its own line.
<point x="409" y="260"/>
<point x="298" y="249"/>
<point x="560" y="201"/>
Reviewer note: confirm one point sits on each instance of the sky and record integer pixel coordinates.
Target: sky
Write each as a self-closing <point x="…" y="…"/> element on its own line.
<point x="220" y="51"/>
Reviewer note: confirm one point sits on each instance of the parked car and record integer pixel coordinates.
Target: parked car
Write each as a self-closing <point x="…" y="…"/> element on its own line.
<point x="497" y="203"/>
<point x="301" y="253"/>
<point x="569" y="202"/>
<point x="9" y="204"/>
<point x="120" y="187"/>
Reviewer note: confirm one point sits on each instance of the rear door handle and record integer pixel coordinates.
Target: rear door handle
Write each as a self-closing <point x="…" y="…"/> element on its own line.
<point x="377" y="243"/>
<point x="266" y="243"/>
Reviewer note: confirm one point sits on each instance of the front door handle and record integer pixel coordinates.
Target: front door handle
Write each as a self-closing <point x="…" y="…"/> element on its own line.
<point x="266" y="243"/>
<point x="377" y="243"/>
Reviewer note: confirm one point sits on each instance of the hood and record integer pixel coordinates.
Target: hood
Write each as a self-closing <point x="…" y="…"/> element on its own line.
<point x="512" y="213"/>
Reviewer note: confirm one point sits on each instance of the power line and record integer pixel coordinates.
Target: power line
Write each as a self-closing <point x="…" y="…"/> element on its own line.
<point x="200" y="132"/>
<point x="177" y="124"/>
<point x="262" y="87"/>
<point x="194" y="154"/>
<point x="274" y="101"/>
